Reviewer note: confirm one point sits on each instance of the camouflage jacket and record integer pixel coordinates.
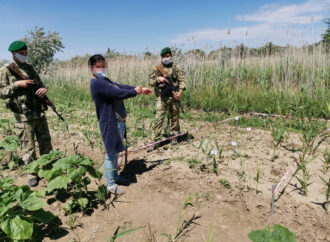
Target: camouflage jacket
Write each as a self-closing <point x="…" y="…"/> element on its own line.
<point x="21" y="101"/>
<point x="173" y="72"/>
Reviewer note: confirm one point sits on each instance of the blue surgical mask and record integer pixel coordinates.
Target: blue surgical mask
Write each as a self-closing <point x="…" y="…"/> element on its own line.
<point x="21" y="58"/>
<point x="102" y="73"/>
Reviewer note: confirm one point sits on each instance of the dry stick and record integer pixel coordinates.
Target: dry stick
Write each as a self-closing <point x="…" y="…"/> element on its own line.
<point x="273" y="199"/>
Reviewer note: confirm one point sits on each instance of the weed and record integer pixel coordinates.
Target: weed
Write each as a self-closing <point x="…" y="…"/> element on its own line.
<point x="225" y="183"/>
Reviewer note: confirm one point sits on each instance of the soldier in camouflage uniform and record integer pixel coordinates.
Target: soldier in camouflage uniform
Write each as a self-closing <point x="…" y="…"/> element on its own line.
<point x="167" y="103"/>
<point x="23" y="99"/>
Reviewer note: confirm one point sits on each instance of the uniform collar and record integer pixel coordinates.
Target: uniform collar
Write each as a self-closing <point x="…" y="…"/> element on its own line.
<point x="19" y="64"/>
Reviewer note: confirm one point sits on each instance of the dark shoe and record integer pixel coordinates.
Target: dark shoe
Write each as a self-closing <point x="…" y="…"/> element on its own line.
<point x="122" y="181"/>
<point x="33" y="182"/>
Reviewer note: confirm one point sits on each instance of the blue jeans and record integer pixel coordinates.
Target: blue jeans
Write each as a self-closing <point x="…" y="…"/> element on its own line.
<point x="111" y="162"/>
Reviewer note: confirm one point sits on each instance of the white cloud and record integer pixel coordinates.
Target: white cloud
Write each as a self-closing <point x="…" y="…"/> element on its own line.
<point x="272" y="23"/>
<point x="304" y="13"/>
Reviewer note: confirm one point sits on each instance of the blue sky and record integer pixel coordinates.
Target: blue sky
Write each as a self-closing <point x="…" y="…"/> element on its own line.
<point x="133" y="26"/>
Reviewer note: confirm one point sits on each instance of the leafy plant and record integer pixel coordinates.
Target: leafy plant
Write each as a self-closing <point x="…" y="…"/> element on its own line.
<point x="6" y="126"/>
<point x="327" y="192"/>
<point x="10" y="144"/>
<point x="182" y="227"/>
<point x="68" y="173"/>
<point x="278" y="134"/>
<point x="21" y="209"/>
<point x="307" y="155"/>
<point x="42" y="47"/>
<point x="326" y="161"/>
<point x="279" y="234"/>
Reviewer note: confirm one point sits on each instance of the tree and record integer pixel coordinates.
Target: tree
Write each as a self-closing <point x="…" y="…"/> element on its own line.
<point x="3" y="62"/>
<point x="196" y="53"/>
<point x="111" y="53"/>
<point x="148" y="55"/>
<point x="42" y="47"/>
<point x="326" y="35"/>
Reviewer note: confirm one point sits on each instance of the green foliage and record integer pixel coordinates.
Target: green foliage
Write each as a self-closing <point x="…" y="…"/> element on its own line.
<point x="20" y="210"/>
<point x="117" y="235"/>
<point x="326" y="35"/>
<point x="68" y="173"/>
<point x="3" y="62"/>
<point x="279" y="134"/>
<point x="279" y="234"/>
<point x="42" y="47"/>
<point x="326" y="161"/>
<point x="10" y="144"/>
<point x="310" y="132"/>
<point x="225" y="183"/>
<point x="6" y="126"/>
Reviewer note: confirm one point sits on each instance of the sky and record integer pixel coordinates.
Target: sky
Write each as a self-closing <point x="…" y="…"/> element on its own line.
<point x="128" y="26"/>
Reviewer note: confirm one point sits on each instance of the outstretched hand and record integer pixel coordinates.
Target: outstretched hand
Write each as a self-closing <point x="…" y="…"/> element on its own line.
<point x="146" y="91"/>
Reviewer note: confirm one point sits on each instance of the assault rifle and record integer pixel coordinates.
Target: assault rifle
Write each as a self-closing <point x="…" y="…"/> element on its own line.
<point x="169" y="88"/>
<point x="15" y="70"/>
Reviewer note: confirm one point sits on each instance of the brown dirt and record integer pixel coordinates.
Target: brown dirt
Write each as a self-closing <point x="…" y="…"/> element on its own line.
<point x="161" y="181"/>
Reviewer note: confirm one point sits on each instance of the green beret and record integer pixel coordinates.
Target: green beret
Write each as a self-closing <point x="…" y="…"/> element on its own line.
<point x="17" y="45"/>
<point x="165" y="51"/>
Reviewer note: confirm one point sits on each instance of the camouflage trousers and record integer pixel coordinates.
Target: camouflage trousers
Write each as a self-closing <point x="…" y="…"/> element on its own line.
<point x="172" y="106"/>
<point x="27" y="131"/>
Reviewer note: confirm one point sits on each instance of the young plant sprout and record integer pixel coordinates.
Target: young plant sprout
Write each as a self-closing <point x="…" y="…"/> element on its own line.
<point x="278" y="134"/>
<point x="326" y="161"/>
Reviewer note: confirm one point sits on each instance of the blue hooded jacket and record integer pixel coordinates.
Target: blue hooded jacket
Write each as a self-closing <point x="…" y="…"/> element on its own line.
<point x="104" y="92"/>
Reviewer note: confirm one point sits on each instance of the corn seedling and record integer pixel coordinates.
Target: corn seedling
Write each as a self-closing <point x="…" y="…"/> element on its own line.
<point x="183" y="226"/>
<point x="327" y="193"/>
<point x="118" y="234"/>
<point x="326" y="161"/>
<point x="278" y="134"/>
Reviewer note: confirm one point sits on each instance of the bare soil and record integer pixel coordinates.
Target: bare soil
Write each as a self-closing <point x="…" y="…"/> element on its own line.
<point x="162" y="180"/>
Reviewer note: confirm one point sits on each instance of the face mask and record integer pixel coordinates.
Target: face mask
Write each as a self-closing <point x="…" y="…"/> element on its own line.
<point x="102" y="73"/>
<point x="21" y="58"/>
<point x="167" y="61"/>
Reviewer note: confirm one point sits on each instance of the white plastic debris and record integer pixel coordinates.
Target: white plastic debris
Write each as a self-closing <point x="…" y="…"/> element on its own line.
<point x="234" y="143"/>
<point x="248" y="129"/>
<point x="214" y="152"/>
<point x="237" y="118"/>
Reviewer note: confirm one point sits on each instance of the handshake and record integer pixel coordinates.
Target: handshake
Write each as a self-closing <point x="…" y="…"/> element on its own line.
<point x="143" y="90"/>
